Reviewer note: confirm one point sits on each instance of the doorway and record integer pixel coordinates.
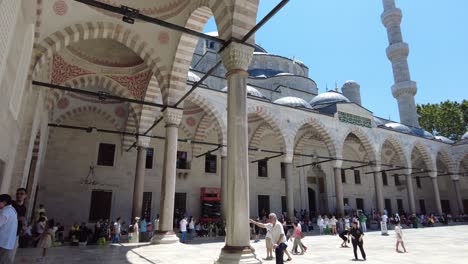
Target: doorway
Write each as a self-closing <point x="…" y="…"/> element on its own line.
<point x="100" y="208"/>
<point x="263" y="205"/>
<point x="312" y="200"/>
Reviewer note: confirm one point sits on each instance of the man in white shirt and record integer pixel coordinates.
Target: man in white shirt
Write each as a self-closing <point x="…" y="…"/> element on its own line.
<point x="383" y="225"/>
<point x="277" y="236"/>
<point x="183" y="229"/>
<point x="8" y="229"/>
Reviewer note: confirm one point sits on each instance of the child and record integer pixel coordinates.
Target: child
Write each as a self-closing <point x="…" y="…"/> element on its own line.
<point x="399" y="237"/>
<point x="45" y="239"/>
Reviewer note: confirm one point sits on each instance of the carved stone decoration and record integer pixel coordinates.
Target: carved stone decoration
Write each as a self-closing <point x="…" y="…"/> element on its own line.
<point x="237" y="56"/>
<point x="173" y="116"/>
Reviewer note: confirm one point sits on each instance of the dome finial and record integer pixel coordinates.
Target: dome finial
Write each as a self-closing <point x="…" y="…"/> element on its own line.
<point x="336" y="87"/>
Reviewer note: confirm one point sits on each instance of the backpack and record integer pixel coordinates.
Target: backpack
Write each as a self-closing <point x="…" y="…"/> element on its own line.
<point x="131" y="229"/>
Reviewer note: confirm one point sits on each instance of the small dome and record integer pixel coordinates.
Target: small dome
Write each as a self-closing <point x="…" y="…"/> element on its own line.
<point x="444" y="139"/>
<point x="293" y="101"/>
<point x="330" y="97"/>
<point x="398" y="127"/>
<point x="191" y="76"/>
<point x="250" y="91"/>
<point x="465" y="136"/>
<point x="378" y="121"/>
<point x="421" y="133"/>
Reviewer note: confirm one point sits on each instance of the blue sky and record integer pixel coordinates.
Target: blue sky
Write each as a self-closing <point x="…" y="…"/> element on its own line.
<point x="343" y="40"/>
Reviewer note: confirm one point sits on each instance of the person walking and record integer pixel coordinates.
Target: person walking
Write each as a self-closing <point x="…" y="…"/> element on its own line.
<point x="277" y="236"/>
<point x="344" y="235"/>
<point x="357" y="241"/>
<point x="399" y="237"/>
<point x="320" y="224"/>
<point x="133" y="231"/>
<point x="297" y="236"/>
<point x="383" y="225"/>
<point x="191" y="227"/>
<point x="143" y="230"/>
<point x="363" y="221"/>
<point x="183" y="229"/>
<point x="45" y="239"/>
<point x="116" y="231"/>
<point x="333" y="222"/>
<point x="20" y="206"/>
<point x="8" y="229"/>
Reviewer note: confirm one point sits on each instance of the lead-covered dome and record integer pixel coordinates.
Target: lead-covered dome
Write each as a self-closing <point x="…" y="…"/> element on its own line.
<point x="330" y="97"/>
<point x="250" y="91"/>
<point x="465" y="136"/>
<point x="421" y="133"/>
<point x="444" y="139"/>
<point x="398" y="127"/>
<point x="293" y="101"/>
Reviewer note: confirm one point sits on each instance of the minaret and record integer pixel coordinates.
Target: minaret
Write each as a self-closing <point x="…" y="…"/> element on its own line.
<point x="404" y="88"/>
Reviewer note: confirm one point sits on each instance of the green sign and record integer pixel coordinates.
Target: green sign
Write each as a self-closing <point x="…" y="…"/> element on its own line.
<point x="354" y="119"/>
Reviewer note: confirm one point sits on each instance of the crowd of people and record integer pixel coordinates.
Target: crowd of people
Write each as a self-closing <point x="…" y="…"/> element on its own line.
<point x="41" y="232"/>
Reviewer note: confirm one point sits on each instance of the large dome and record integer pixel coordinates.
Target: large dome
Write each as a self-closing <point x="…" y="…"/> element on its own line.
<point x="293" y="101"/>
<point x="329" y="97"/>
<point x="398" y="127"/>
<point x="250" y="91"/>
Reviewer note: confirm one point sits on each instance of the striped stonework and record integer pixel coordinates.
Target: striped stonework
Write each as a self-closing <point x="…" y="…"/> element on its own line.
<point x="271" y="121"/>
<point x="149" y="114"/>
<point x="423" y="153"/>
<point x="96" y="30"/>
<point x="243" y="18"/>
<point x="443" y="155"/>
<point x="363" y="138"/>
<point x="102" y="83"/>
<point x="206" y="124"/>
<point x="88" y="109"/>
<point x="393" y="143"/>
<point x="315" y="126"/>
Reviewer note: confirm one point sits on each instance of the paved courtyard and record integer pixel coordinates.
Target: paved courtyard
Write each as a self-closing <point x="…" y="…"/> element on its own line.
<point x="426" y="245"/>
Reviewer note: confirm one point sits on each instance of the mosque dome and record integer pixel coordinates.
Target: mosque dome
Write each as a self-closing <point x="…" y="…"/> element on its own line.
<point x="444" y="139"/>
<point x="250" y="91"/>
<point x="421" y="133"/>
<point x="465" y="136"/>
<point x="330" y="97"/>
<point x="398" y="127"/>
<point x="191" y="76"/>
<point x="293" y="101"/>
<point x="378" y="121"/>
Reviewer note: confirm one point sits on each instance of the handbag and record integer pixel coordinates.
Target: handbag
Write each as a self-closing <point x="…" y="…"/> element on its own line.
<point x="302" y="235"/>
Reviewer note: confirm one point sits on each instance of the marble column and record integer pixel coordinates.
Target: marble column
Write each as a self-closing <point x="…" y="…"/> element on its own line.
<point x="165" y="234"/>
<point x="139" y="182"/>
<point x="458" y="196"/>
<point x="289" y="189"/>
<point x="435" y="185"/>
<point x="410" y="189"/>
<point x="236" y="58"/>
<point x="338" y="191"/>
<point x="224" y="173"/>
<point x="378" y="190"/>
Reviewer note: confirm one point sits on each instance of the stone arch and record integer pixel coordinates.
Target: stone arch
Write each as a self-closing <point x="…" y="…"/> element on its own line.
<point x="446" y="159"/>
<point x="148" y="113"/>
<point x="425" y="153"/>
<point x="212" y="117"/>
<point x="97" y="30"/>
<point x="87" y="108"/>
<point x="363" y="138"/>
<point x="397" y="146"/>
<point x="263" y="113"/>
<point x="314" y="125"/>
<point x="109" y="85"/>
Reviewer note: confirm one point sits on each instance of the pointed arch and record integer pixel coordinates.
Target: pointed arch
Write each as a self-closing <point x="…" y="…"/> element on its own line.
<point x="425" y="154"/>
<point x="268" y="117"/>
<point x="316" y="128"/>
<point x="96" y="30"/>
<point x="365" y="140"/>
<point x="397" y="146"/>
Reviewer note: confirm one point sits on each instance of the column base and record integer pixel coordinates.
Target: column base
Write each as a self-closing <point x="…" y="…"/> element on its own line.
<point x="236" y="255"/>
<point x="168" y="237"/>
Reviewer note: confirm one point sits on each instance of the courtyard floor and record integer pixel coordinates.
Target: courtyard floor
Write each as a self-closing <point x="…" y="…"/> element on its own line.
<point x="425" y="245"/>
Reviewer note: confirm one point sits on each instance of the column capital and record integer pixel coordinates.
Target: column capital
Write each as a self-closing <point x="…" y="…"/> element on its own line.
<point x="237" y="56"/>
<point x="172" y="116"/>
<point x="143" y="142"/>
<point x="338" y="164"/>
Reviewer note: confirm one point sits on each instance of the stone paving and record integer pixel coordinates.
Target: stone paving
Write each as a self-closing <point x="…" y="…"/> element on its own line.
<point x="424" y="245"/>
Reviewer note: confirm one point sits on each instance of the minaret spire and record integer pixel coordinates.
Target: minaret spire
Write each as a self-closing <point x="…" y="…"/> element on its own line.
<point x="404" y="88"/>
